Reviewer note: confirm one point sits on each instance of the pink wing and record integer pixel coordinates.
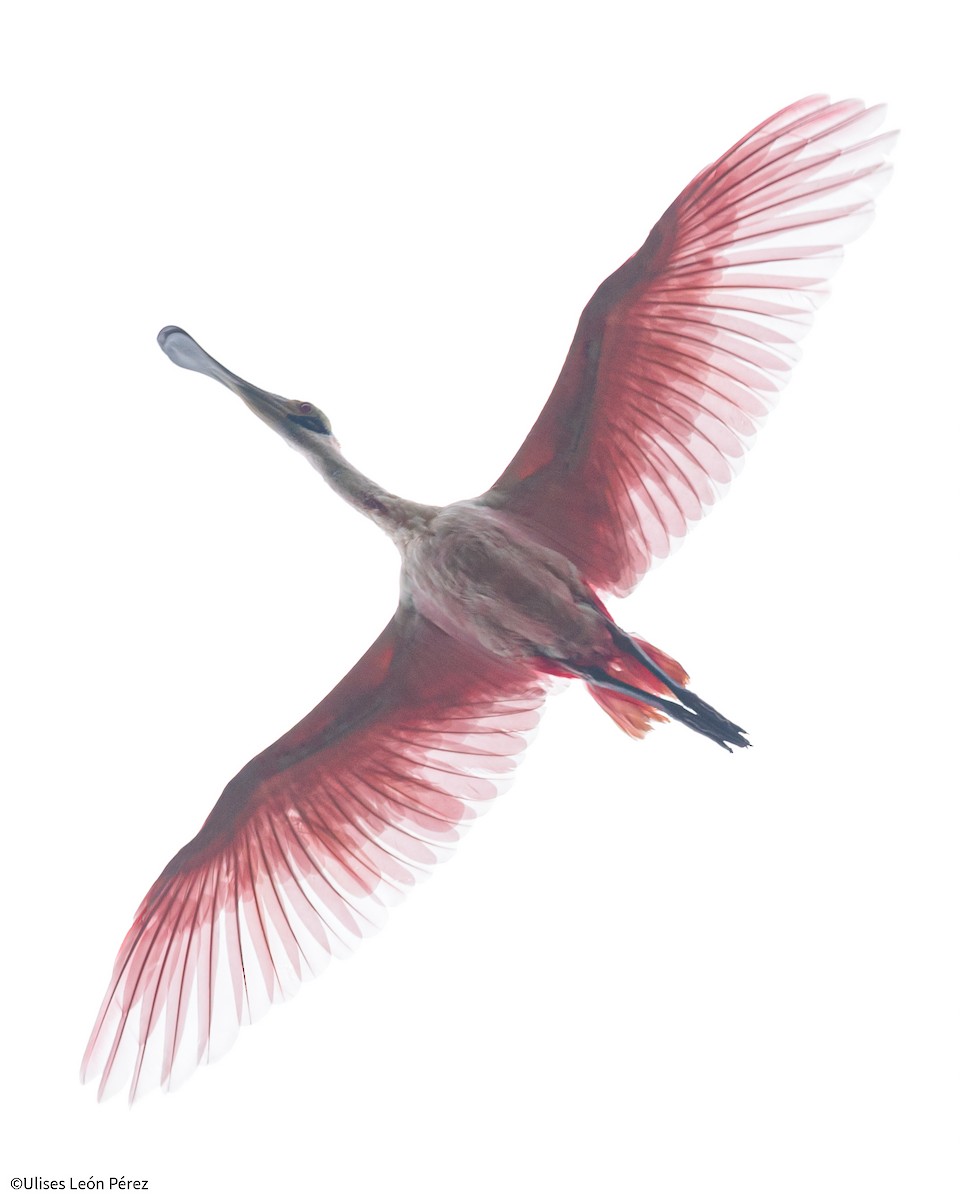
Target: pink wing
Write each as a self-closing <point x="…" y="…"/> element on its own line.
<point x="306" y="846"/>
<point x="681" y="352"/>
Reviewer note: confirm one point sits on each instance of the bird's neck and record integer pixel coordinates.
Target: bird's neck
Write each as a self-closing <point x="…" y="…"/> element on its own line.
<point x="396" y="516"/>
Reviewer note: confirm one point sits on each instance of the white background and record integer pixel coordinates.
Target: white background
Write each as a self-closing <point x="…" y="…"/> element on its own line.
<point x="655" y="970"/>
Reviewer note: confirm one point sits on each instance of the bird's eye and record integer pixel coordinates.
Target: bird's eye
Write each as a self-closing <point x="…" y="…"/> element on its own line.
<point x="308" y="417"/>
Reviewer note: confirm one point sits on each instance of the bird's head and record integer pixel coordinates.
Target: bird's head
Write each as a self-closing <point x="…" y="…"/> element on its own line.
<point x="297" y="421"/>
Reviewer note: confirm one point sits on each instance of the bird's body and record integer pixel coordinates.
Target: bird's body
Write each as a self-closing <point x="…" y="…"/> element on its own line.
<point x="676" y="358"/>
<point x="485" y="581"/>
<point x="479" y="577"/>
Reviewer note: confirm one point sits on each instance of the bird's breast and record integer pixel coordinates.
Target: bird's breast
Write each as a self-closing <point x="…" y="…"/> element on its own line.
<point x="487" y="582"/>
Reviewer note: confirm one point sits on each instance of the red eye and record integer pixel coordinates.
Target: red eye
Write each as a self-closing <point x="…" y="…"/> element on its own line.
<point x="305" y="407"/>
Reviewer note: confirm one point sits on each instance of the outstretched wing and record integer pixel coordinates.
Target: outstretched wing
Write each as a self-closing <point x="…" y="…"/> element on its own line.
<point x="306" y="846"/>
<point x="681" y="352"/>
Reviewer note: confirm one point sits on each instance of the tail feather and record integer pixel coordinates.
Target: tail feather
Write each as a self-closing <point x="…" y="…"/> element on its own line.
<point x="632" y="715"/>
<point x="630" y="685"/>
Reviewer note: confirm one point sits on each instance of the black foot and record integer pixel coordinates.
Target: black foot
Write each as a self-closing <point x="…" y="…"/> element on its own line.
<point x="706" y="720"/>
<point x="693" y="712"/>
<point x="723" y="729"/>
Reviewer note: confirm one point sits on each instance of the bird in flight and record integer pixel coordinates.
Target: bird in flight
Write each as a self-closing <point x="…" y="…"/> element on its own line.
<point x="676" y="359"/>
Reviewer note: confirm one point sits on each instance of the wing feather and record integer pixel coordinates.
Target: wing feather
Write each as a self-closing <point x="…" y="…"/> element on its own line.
<point x="307" y="846"/>
<point x="681" y="352"/>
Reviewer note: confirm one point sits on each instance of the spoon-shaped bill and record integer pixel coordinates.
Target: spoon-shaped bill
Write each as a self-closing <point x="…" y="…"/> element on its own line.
<point x="182" y="350"/>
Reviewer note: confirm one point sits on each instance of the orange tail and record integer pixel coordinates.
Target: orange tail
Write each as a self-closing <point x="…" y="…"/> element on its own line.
<point x="632" y="715"/>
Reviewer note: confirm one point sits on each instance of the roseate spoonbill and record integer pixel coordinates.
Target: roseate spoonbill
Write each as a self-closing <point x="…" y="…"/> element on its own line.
<point x="677" y="357"/>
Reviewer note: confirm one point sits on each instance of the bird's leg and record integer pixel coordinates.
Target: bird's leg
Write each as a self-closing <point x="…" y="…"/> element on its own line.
<point x="623" y="641"/>
<point x="704" y="719"/>
<point x="687" y="698"/>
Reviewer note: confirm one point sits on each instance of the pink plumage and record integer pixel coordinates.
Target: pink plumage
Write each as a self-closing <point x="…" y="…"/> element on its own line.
<point x="308" y="844"/>
<point x="676" y="360"/>
<point x="681" y="352"/>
